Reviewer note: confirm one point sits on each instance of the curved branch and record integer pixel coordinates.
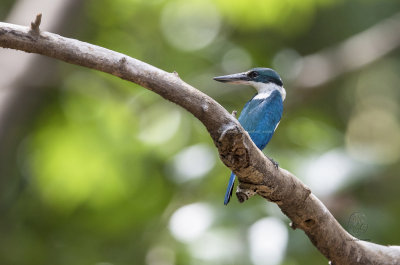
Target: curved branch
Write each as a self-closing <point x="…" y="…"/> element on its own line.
<point x="255" y="172"/>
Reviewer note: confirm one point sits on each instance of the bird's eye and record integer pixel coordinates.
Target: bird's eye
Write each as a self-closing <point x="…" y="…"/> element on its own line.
<point x="252" y="74"/>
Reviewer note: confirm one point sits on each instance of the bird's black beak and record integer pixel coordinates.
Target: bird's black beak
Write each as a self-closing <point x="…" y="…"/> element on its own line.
<point x="234" y="78"/>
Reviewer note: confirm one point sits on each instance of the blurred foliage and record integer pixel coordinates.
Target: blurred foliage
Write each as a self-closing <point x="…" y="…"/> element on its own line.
<point x="294" y="16"/>
<point x="107" y="163"/>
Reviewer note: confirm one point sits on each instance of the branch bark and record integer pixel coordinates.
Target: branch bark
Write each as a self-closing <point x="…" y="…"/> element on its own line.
<point x="256" y="174"/>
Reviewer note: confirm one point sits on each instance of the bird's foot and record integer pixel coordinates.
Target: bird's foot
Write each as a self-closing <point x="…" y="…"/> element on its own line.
<point x="276" y="164"/>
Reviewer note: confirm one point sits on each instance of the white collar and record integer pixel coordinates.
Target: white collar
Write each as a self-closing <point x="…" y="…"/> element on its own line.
<point x="265" y="90"/>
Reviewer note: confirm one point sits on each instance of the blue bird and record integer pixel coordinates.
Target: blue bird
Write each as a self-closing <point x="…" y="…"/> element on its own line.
<point x="261" y="114"/>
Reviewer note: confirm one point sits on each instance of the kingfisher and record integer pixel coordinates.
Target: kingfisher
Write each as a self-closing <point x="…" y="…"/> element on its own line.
<point x="261" y="115"/>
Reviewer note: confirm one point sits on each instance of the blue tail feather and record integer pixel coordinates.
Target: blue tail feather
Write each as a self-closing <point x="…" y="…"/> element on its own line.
<point x="229" y="189"/>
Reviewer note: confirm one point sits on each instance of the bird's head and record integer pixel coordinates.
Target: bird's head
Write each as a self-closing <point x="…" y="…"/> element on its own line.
<point x="265" y="80"/>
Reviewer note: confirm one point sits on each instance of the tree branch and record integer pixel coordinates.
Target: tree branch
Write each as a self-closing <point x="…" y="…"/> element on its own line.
<point x="256" y="174"/>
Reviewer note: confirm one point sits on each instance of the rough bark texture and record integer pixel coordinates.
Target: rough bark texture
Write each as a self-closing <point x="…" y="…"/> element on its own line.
<point x="256" y="174"/>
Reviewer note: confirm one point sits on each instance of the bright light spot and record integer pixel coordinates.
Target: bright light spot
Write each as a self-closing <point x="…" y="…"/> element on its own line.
<point x="190" y="25"/>
<point x="268" y="240"/>
<point x="329" y="172"/>
<point x="74" y="168"/>
<point x="189" y="222"/>
<point x="160" y="255"/>
<point x="159" y="125"/>
<point x="193" y="162"/>
<point x="373" y="136"/>
<point x="217" y="245"/>
<point x="236" y="60"/>
<point x="318" y="70"/>
<point x="284" y="63"/>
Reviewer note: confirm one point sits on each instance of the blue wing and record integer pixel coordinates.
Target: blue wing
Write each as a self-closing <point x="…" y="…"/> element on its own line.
<point x="259" y="118"/>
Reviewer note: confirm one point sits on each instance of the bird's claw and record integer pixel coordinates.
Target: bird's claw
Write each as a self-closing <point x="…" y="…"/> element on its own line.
<point x="276" y="164"/>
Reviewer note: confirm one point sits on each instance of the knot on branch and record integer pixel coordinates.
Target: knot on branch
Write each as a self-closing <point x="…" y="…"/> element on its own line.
<point x="35" y="24"/>
<point x="233" y="149"/>
<point x="122" y="67"/>
<point x="176" y="74"/>
<point x="234" y="113"/>
<point x="247" y="190"/>
<point x="205" y="105"/>
<point x="243" y="194"/>
<point x="309" y="222"/>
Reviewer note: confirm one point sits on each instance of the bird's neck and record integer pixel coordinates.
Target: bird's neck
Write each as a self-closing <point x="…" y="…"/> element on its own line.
<point x="265" y="90"/>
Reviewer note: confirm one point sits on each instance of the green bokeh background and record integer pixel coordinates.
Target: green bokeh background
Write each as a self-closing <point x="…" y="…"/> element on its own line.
<point x="98" y="168"/>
